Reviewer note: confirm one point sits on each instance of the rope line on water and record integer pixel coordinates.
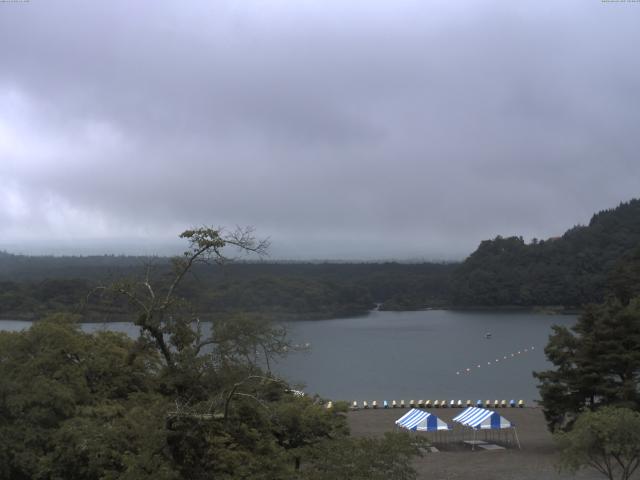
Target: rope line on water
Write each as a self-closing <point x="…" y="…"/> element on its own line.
<point x="508" y="356"/>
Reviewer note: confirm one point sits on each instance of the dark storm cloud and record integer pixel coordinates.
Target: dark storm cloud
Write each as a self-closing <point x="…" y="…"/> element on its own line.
<point x="341" y="129"/>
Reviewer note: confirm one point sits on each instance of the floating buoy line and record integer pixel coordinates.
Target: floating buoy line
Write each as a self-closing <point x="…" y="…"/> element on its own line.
<point x="502" y="358"/>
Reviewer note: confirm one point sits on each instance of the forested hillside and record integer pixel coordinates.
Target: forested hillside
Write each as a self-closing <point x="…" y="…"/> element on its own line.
<point x="571" y="270"/>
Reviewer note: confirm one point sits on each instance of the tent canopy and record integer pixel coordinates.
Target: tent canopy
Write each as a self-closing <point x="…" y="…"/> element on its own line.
<point x="482" y="419"/>
<point x="421" y="421"/>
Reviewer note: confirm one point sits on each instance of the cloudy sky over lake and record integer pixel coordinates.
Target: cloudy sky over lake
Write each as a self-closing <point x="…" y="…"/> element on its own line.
<point x="340" y="129"/>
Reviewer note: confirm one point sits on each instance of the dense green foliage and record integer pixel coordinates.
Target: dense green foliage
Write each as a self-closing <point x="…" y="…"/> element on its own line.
<point x="80" y="406"/>
<point x="67" y="399"/>
<point x="607" y="440"/>
<point x="591" y="398"/>
<point x="597" y="361"/>
<point x="173" y="404"/>
<point x="571" y="270"/>
<point x="624" y="280"/>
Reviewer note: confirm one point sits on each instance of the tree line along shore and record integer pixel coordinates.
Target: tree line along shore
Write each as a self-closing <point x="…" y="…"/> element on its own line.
<point x="557" y="275"/>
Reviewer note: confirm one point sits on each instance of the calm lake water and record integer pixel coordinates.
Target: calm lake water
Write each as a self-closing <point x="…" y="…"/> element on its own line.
<point x="411" y="355"/>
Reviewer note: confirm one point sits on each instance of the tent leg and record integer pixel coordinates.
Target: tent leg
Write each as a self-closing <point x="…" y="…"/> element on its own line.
<point x="517" y="439"/>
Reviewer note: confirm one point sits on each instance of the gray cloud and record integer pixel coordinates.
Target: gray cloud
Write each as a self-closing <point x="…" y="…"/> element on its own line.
<point x="341" y="129"/>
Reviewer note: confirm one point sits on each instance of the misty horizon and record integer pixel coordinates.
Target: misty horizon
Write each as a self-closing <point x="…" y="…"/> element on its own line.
<point x="125" y="248"/>
<point x="340" y="130"/>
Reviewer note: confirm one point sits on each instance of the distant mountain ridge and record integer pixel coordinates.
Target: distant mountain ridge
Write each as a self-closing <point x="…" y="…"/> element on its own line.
<point x="572" y="270"/>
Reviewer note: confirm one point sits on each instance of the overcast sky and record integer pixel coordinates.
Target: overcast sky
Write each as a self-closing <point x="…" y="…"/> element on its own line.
<point x="340" y="129"/>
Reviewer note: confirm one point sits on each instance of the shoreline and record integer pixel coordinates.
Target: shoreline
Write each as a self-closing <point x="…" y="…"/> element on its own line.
<point x="317" y="316"/>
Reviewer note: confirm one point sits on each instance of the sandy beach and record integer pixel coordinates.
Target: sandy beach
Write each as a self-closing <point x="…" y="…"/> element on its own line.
<point x="455" y="460"/>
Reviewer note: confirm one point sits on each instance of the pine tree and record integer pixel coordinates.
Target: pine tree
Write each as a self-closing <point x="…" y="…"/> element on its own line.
<point x="597" y="363"/>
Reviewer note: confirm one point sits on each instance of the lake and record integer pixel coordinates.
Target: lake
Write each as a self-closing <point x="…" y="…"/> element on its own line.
<point x="412" y="355"/>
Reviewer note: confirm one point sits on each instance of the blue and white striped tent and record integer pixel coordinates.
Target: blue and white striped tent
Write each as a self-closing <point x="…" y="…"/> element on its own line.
<point x="482" y="419"/>
<point x="421" y="421"/>
<point x="485" y="420"/>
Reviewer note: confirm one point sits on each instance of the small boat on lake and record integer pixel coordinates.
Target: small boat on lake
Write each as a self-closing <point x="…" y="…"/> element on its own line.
<point x="487" y="335"/>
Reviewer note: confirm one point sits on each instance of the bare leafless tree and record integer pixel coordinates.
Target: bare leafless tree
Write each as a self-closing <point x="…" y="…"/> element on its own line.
<point x="161" y="313"/>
